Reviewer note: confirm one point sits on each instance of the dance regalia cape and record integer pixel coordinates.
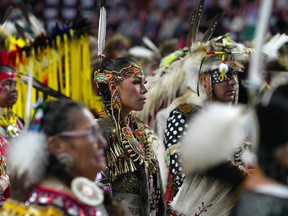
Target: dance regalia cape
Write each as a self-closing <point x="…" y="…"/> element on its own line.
<point x="132" y="174"/>
<point x="47" y="201"/>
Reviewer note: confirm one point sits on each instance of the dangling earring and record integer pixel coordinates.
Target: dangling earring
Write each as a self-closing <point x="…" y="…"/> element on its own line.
<point x="115" y="101"/>
<point x="116" y="104"/>
<point x="66" y="160"/>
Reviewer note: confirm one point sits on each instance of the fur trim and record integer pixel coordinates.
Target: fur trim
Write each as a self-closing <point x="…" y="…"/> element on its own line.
<point x="163" y="90"/>
<point x="27" y="157"/>
<point x="170" y="82"/>
<point x="188" y="97"/>
<point x="191" y="68"/>
<point x="212" y="136"/>
<point x="248" y="157"/>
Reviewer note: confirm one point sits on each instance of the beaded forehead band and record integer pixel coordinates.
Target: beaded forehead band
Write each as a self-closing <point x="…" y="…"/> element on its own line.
<point x="106" y="76"/>
<point x="216" y="76"/>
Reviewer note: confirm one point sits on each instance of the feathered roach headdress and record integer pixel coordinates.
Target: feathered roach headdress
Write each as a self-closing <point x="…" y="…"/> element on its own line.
<point x="41" y="58"/>
<point x="7" y="61"/>
<point x="202" y="57"/>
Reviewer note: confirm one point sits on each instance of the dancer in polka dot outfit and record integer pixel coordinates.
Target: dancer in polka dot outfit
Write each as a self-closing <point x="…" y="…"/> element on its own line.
<point x="215" y="89"/>
<point x="204" y="76"/>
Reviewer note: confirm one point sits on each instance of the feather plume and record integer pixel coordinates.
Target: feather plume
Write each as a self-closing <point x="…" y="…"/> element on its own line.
<point x="141" y="52"/>
<point x="248" y="157"/>
<point x="152" y="46"/>
<point x="4" y="39"/>
<point x="255" y="69"/>
<point x="41" y="87"/>
<point x="35" y="24"/>
<point x="21" y="31"/>
<point x="28" y="156"/>
<point x="211" y="29"/>
<point x="29" y="97"/>
<point x="102" y="29"/>
<point x="212" y="136"/>
<point x="273" y="45"/>
<point x="6" y="15"/>
<point x="189" y="36"/>
<point x="163" y="90"/>
<point x="194" y="24"/>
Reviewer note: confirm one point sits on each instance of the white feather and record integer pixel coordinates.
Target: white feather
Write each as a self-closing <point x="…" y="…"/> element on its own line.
<point x="37" y="25"/>
<point x="29" y="94"/>
<point x="191" y="67"/>
<point x="223" y="67"/>
<point x="141" y="52"/>
<point x="152" y="46"/>
<point x="248" y="158"/>
<point x="273" y="45"/>
<point x="102" y="31"/>
<point x="28" y="154"/>
<point x="255" y="76"/>
<point x="212" y="136"/>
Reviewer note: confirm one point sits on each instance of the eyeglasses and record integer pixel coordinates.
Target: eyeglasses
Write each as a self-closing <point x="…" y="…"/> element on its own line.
<point x="91" y="131"/>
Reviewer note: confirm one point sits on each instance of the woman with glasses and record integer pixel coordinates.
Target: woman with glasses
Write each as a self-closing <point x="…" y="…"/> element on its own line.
<point x="132" y="173"/>
<point x="53" y="166"/>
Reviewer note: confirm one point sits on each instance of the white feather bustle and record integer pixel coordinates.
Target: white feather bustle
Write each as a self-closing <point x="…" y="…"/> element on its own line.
<point x="28" y="155"/>
<point x="212" y="136"/>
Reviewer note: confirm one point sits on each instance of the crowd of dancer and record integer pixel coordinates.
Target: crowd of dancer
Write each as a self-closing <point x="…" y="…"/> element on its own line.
<point x="176" y="142"/>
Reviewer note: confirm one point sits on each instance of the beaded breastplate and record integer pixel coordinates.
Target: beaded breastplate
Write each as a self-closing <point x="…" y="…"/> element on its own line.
<point x="10" y="127"/>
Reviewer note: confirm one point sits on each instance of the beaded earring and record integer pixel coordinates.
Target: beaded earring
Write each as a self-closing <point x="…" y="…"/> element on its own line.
<point x="66" y="160"/>
<point x="116" y="101"/>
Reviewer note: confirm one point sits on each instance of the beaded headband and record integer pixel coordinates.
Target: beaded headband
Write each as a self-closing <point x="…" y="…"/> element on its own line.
<point x="106" y="76"/>
<point x="217" y="78"/>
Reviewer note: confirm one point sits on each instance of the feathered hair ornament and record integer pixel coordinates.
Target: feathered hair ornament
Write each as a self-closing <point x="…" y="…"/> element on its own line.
<point x="102" y="30"/>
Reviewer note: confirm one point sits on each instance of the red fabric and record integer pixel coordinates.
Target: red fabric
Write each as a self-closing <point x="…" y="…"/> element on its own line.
<point x="168" y="196"/>
<point x="5" y="75"/>
<point x="4" y="57"/>
<point x="7" y="193"/>
<point x="3" y="146"/>
<point x="8" y="58"/>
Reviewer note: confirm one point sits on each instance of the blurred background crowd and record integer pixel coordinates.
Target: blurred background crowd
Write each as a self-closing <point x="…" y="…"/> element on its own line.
<point x="159" y="20"/>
